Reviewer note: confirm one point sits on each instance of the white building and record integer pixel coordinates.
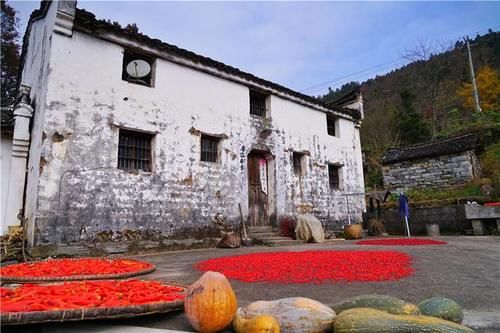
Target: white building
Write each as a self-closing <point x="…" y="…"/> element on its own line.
<point x="113" y="150"/>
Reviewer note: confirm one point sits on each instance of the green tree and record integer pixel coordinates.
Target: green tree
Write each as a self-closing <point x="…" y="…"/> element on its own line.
<point x="9" y="53"/>
<point x="411" y="128"/>
<point x="333" y="95"/>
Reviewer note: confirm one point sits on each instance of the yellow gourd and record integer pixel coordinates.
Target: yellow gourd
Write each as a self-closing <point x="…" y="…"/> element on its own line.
<point x="257" y="324"/>
<point x="210" y="303"/>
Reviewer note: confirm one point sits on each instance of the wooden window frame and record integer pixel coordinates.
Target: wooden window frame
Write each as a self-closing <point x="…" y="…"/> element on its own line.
<point x="128" y="56"/>
<point x="259" y="104"/>
<point x="334" y="177"/>
<point x="298" y="163"/>
<point x="135" y="150"/>
<point x="209" y="148"/>
<point x="331" y="125"/>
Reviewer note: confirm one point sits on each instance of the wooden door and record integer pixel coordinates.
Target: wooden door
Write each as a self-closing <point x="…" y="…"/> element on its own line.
<point x="257" y="190"/>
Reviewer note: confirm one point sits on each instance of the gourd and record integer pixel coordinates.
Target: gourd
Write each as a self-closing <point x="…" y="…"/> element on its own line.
<point x="294" y="314"/>
<point x="443" y="308"/>
<point x="258" y="324"/>
<point x="210" y="303"/>
<point x="389" y="304"/>
<point x="366" y="320"/>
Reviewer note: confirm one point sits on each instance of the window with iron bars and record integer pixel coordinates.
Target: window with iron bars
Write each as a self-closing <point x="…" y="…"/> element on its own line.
<point x="258" y="103"/>
<point x="330" y="125"/>
<point x="334" y="176"/>
<point x="297" y="163"/>
<point x="209" y="148"/>
<point x="134" y="150"/>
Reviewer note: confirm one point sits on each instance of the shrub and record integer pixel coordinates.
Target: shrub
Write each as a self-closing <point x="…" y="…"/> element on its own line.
<point x="490" y="165"/>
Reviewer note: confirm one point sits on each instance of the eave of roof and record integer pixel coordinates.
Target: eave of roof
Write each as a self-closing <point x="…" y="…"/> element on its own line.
<point x="448" y="146"/>
<point x="351" y="97"/>
<point x="87" y="22"/>
<point x="35" y="15"/>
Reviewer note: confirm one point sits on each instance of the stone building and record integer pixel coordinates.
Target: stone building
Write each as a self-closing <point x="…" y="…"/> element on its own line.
<point x="131" y="133"/>
<point x="441" y="163"/>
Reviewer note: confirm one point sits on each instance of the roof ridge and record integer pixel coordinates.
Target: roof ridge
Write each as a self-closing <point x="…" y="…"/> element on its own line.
<point x="444" y="140"/>
<point x="346" y="97"/>
<point x="85" y="17"/>
<point x="452" y="145"/>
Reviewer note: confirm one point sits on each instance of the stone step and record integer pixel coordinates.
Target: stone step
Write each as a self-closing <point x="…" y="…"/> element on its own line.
<point x="271" y="238"/>
<point x="260" y="228"/>
<point x="263" y="234"/>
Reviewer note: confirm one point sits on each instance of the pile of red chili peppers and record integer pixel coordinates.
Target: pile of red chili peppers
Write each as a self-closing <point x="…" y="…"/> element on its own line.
<point x="86" y="294"/>
<point x="312" y="266"/>
<point x="400" y="241"/>
<point x="74" y="267"/>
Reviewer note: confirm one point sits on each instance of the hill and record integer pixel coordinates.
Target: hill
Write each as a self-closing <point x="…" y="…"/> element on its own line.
<point x="429" y="98"/>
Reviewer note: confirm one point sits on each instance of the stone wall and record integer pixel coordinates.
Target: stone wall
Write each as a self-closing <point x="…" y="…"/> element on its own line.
<point x="451" y="220"/>
<point x="438" y="171"/>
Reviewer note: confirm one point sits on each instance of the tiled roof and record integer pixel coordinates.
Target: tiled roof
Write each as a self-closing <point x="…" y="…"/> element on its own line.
<point x="89" y="23"/>
<point x="453" y="145"/>
<point x="350" y="97"/>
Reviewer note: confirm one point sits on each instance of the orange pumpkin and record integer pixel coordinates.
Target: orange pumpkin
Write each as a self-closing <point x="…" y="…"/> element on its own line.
<point x="353" y="231"/>
<point x="210" y="303"/>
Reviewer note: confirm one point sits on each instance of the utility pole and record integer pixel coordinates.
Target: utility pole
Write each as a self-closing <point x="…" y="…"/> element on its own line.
<point x="471" y="66"/>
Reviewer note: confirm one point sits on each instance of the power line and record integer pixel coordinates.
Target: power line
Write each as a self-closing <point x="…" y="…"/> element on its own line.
<point x="348" y="75"/>
<point x="365" y="71"/>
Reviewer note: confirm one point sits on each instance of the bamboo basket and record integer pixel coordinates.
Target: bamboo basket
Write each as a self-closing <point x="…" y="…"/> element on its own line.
<point x="34" y="317"/>
<point x="43" y="279"/>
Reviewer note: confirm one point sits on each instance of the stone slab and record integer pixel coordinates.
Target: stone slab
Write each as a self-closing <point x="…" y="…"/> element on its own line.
<point x="481" y="212"/>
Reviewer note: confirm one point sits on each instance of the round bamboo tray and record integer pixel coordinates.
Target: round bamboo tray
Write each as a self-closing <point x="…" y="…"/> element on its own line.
<point x="34" y="317"/>
<point x="43" y="279"/>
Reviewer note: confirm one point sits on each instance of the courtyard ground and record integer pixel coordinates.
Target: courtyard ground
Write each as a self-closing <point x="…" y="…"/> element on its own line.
<point x="467" y="269"/>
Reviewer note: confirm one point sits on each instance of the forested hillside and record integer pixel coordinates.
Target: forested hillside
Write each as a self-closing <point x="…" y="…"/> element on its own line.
<point x="429" y="98"/>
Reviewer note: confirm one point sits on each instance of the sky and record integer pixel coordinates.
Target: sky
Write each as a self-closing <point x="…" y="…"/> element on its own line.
<point x="306" y="46"/>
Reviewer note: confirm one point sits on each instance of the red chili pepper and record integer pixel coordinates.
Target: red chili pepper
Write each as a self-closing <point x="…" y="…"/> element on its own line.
<point x="313" y="266"/>
<point x="66" y="267"/>
<point x="86" y="294"/>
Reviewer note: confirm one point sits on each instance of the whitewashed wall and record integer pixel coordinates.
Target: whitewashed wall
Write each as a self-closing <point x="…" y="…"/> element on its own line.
<point x="35" y="75"/>
<point x="5" y="156"/>
<point x="80" y="190"/>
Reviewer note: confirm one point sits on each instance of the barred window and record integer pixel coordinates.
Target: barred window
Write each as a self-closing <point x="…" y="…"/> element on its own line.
<point x="258" y="103"/>
<point x="134" y="150"/>
<point x="330" y="125"/>
<point x="334" y="176"/>
<point x="297" y="163"/>
<point x="209" y="148"/>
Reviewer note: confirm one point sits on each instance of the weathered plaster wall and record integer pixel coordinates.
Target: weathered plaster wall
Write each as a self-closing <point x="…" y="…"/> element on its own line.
<point x="81" y="191"/>
<point x="35" y="75"/>
<point x="5" y="157"/>
<point x="433" y="172"/>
